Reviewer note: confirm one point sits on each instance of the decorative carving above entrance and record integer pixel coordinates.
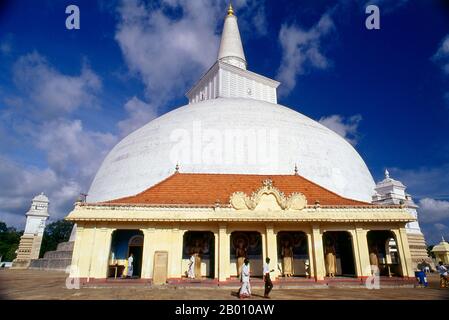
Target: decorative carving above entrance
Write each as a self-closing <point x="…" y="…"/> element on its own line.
<point x="269" y="198"/>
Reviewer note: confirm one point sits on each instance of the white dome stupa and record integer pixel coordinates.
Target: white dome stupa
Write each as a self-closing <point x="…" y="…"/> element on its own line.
<point x="232" y="124"/>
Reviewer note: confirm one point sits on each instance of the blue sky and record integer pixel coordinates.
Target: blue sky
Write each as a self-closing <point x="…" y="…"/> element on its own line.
<point x="67" y="96"/>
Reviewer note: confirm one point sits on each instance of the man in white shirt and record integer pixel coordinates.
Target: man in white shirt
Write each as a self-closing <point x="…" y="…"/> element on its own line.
<point x="442" y="270"/>
<point x="266" y="277"/>
<point x="130" y="265"/>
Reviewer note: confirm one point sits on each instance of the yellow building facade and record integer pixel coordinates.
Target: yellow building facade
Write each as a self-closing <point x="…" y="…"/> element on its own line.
<point x="267" y="214"/>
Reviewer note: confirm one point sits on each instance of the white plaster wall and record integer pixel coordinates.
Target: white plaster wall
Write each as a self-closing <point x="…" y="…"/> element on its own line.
<point x="144" y="157"/>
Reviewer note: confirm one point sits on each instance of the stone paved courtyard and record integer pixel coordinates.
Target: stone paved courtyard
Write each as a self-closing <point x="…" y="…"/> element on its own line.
<point x="33" y="284"/>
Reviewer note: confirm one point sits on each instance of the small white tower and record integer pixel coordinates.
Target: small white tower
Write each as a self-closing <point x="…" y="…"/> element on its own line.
<point x="30" y="242"/>
<point x="392" y="192"/>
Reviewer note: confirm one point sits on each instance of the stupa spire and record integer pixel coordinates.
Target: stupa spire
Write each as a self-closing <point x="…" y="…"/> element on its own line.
<point x="230" y="10"/>
<point x="231" y="48"/>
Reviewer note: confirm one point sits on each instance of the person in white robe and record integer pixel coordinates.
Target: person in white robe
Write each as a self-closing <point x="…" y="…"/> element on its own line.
<point x="130" y="265"/>
<point x="245" y="289"/>
<point x="191" y="270"/>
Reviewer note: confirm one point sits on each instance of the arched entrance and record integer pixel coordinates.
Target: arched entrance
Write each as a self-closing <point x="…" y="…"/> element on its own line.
<point x="246" y="244"/>
<point x="383" y="252"/>
<point x="339" y="254"/>
<point x="200" y="246"/>
<point x="123" y="244"/>
<point x="293" y="255"/>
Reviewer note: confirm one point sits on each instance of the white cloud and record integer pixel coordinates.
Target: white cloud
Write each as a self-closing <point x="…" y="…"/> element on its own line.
<point x="139" y="113"/>
<point x="347" y="128"/>
<point x="50" y="92"/>
<point x="41" y="119"/>
<point x="424" y="182"/>
<point x="301" y="51"/>
<point x="73" y="157"/>
<point x="71" y="150"/>
<point x="5" y="47"/>
<point x="19" y="184"/>
<point x="440" y="226"/>
<point x="432" y="210"/>
<point x="429" y="187"/>
<point x="169" y="53"/>
<point x="442" y="55"/>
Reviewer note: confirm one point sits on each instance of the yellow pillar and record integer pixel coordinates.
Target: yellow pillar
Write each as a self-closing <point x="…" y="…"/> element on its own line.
<point x="224" y="260"/>
<point x="148" y="253"/>
<point x="361" y="252"/>
<point x="101" y="251"/>
<point x="263" y="237"/>
<point x="216" y="254"/>
<point x="77" y="252"/>
<point x="404" y="252"/>
<point x="271" y="245"/>
<point x="318" y="253"/>
<point x="175" y="265"/>
<point x="86" y="244"/>
<point x="310" y="255"/>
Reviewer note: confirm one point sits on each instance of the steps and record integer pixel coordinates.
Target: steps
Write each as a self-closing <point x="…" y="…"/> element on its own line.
<point x="57" y="260"/>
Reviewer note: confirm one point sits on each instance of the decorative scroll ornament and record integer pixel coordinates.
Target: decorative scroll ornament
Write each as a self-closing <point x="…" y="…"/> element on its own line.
<point x="241" y="201"/>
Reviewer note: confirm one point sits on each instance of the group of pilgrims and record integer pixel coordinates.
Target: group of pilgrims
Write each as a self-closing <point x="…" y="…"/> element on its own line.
<point x="243" y="266"/>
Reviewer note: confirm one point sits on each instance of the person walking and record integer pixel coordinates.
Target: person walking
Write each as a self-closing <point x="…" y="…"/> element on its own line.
<point x="267" y="278"/>
<point x="442" y="270"/>
<point x="245" y="289"/>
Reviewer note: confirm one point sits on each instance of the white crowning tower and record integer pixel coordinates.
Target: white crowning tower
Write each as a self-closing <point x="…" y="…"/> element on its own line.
<point x="228" y="77"/>
<point x="231" y="48"/>
<point x="392" y="192"/>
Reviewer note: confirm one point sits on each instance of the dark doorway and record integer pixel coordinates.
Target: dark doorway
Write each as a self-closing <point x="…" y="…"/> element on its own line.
<point x="341" y="243"/>
<point x="136" y="248"/>
<point x="246" y="244"/>
<point x="293" y="243"/>
<point x="201" y="243"/>
<point x="383" y="251"/>
<point x="123" y="243"/>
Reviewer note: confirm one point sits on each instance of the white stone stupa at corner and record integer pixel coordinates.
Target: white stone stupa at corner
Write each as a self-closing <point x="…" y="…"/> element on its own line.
<point x="392" y="192"/>
<point x="30" y="242"/>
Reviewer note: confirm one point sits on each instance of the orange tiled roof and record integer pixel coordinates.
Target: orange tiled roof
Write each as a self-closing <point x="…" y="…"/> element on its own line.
<point x="206" y="189"/>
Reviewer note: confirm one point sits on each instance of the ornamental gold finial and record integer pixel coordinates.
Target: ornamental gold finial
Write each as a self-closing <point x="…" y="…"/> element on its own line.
<point x="230" y="10"/>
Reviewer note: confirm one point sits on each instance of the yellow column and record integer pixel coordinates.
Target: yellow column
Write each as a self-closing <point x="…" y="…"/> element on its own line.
<point x="224" y="260"/>
<point x="175" y="269"/>
<point x="148" y="253"/>
<point x="361" y="252"/>
<point x="86" y="250"/>
<point x="101" y="251"/>
<point x="310" y="254"/>
<point x="404" y="252"/>
<point x="271" y="245"/>
<point x="216" y="254"/>
<point x="318" y="253"/>
<point x="77" y="250"/>
<point x="263" y="237"/>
